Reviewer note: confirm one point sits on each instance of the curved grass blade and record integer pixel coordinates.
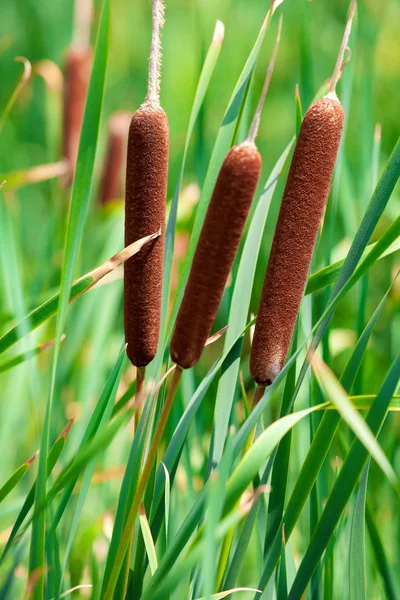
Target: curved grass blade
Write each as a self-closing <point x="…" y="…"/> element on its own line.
<point x="167" y="500"/>
<point x="78" y="208"/>
<point x="328" y="275"/>
<point x="148" y="540"/>
<point x="335" y="392"/>
<point x="16" y="477"/>
<point x="21" y="84"/>
<point x="357" y="543"/>
<point x="52" y="458"/>
<point x="240" y="307"/>
<point x="345" y="484"/>
<point x="50" y="308"/>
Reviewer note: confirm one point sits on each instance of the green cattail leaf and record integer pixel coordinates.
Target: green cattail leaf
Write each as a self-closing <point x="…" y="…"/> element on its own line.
<point x="345" y="483"/>
<point x="318" y="451"/>
<point x="78" y="208"/>
<point x="336" y="394"/>
<point x="240" y="307"/>
<point x="357" y="569"/>
<point x="20" y="358"/>
<point x="52" y="458"/>
<point x="319" y="280"/>
<point x="98" y="420"/>
<point x="214" y="506"/>
<point x="15" y="478"/>
<point x="148" y="541"/>
<point x="41" y="314"/>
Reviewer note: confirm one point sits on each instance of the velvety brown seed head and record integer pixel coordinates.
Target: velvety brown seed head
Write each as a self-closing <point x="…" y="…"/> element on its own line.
<point x="215" y="252"/>
<point x="115" y="159"/>
<point x="145" y="199"/>
<point x="78" y="64"/>
<point x="303" y="205"/>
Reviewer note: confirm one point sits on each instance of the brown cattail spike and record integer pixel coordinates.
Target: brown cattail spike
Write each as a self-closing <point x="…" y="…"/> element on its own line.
<point x="303" y="206"/>
<point x="146" y="189"/>
<point x="111" y="185"/>
<point x="302" y="209"/>
<point x="78" y="63"/>
<point x="145" y="200"/>
<point x="215" y="252"/>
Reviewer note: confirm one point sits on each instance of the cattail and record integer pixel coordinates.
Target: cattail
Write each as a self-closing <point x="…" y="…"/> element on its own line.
<point x="303" y="206"/>
<point x="112" y="184"/>
<point x="218" y="243"/>
<point x="78" y="64"/>
<point x="145" y="200"/>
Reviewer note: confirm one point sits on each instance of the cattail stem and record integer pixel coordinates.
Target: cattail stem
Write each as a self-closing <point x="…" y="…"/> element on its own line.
<point x="140" y="377"/>
<point x="153" y="90"/>
<point x="144" y="478"/>
<point x="345" y="41"/>
<point x="257" y="117"/>
<point x="259" y="393"/>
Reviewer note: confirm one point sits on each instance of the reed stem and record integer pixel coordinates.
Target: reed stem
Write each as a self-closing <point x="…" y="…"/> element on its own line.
<point x="339" y="62"/>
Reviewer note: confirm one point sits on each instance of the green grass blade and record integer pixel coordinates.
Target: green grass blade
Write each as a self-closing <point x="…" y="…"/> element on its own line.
<point x="328" y="275"/>
<point x="15" y="478"/>
<point x="148" y="540"/>
<point x="282" y="576"/>
<point x="99" y="417"/>
<point x="6" y="365"/>
<point x="357" y="569"/>
<point x="52" y="458"/>
<point x="380" y="557"/>
<point x="240" y="307"/>
<point x="41" y="314"/>
<point x="318" y="450"/>
<point x="21" y="84"/>
<point x="214" y="506"/>
<point x="78" y="208"/>
<point x="335" y="392"/>
<point x="344" y="485"/>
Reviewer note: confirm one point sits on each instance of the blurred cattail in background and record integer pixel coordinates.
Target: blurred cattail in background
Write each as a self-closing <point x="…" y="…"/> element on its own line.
<point x="303" y="206"/>
<point x="145" y="201"/>
<point x="218" y="243"/>
<point x="77" y="67"/>
<point x="111" y="186"/>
